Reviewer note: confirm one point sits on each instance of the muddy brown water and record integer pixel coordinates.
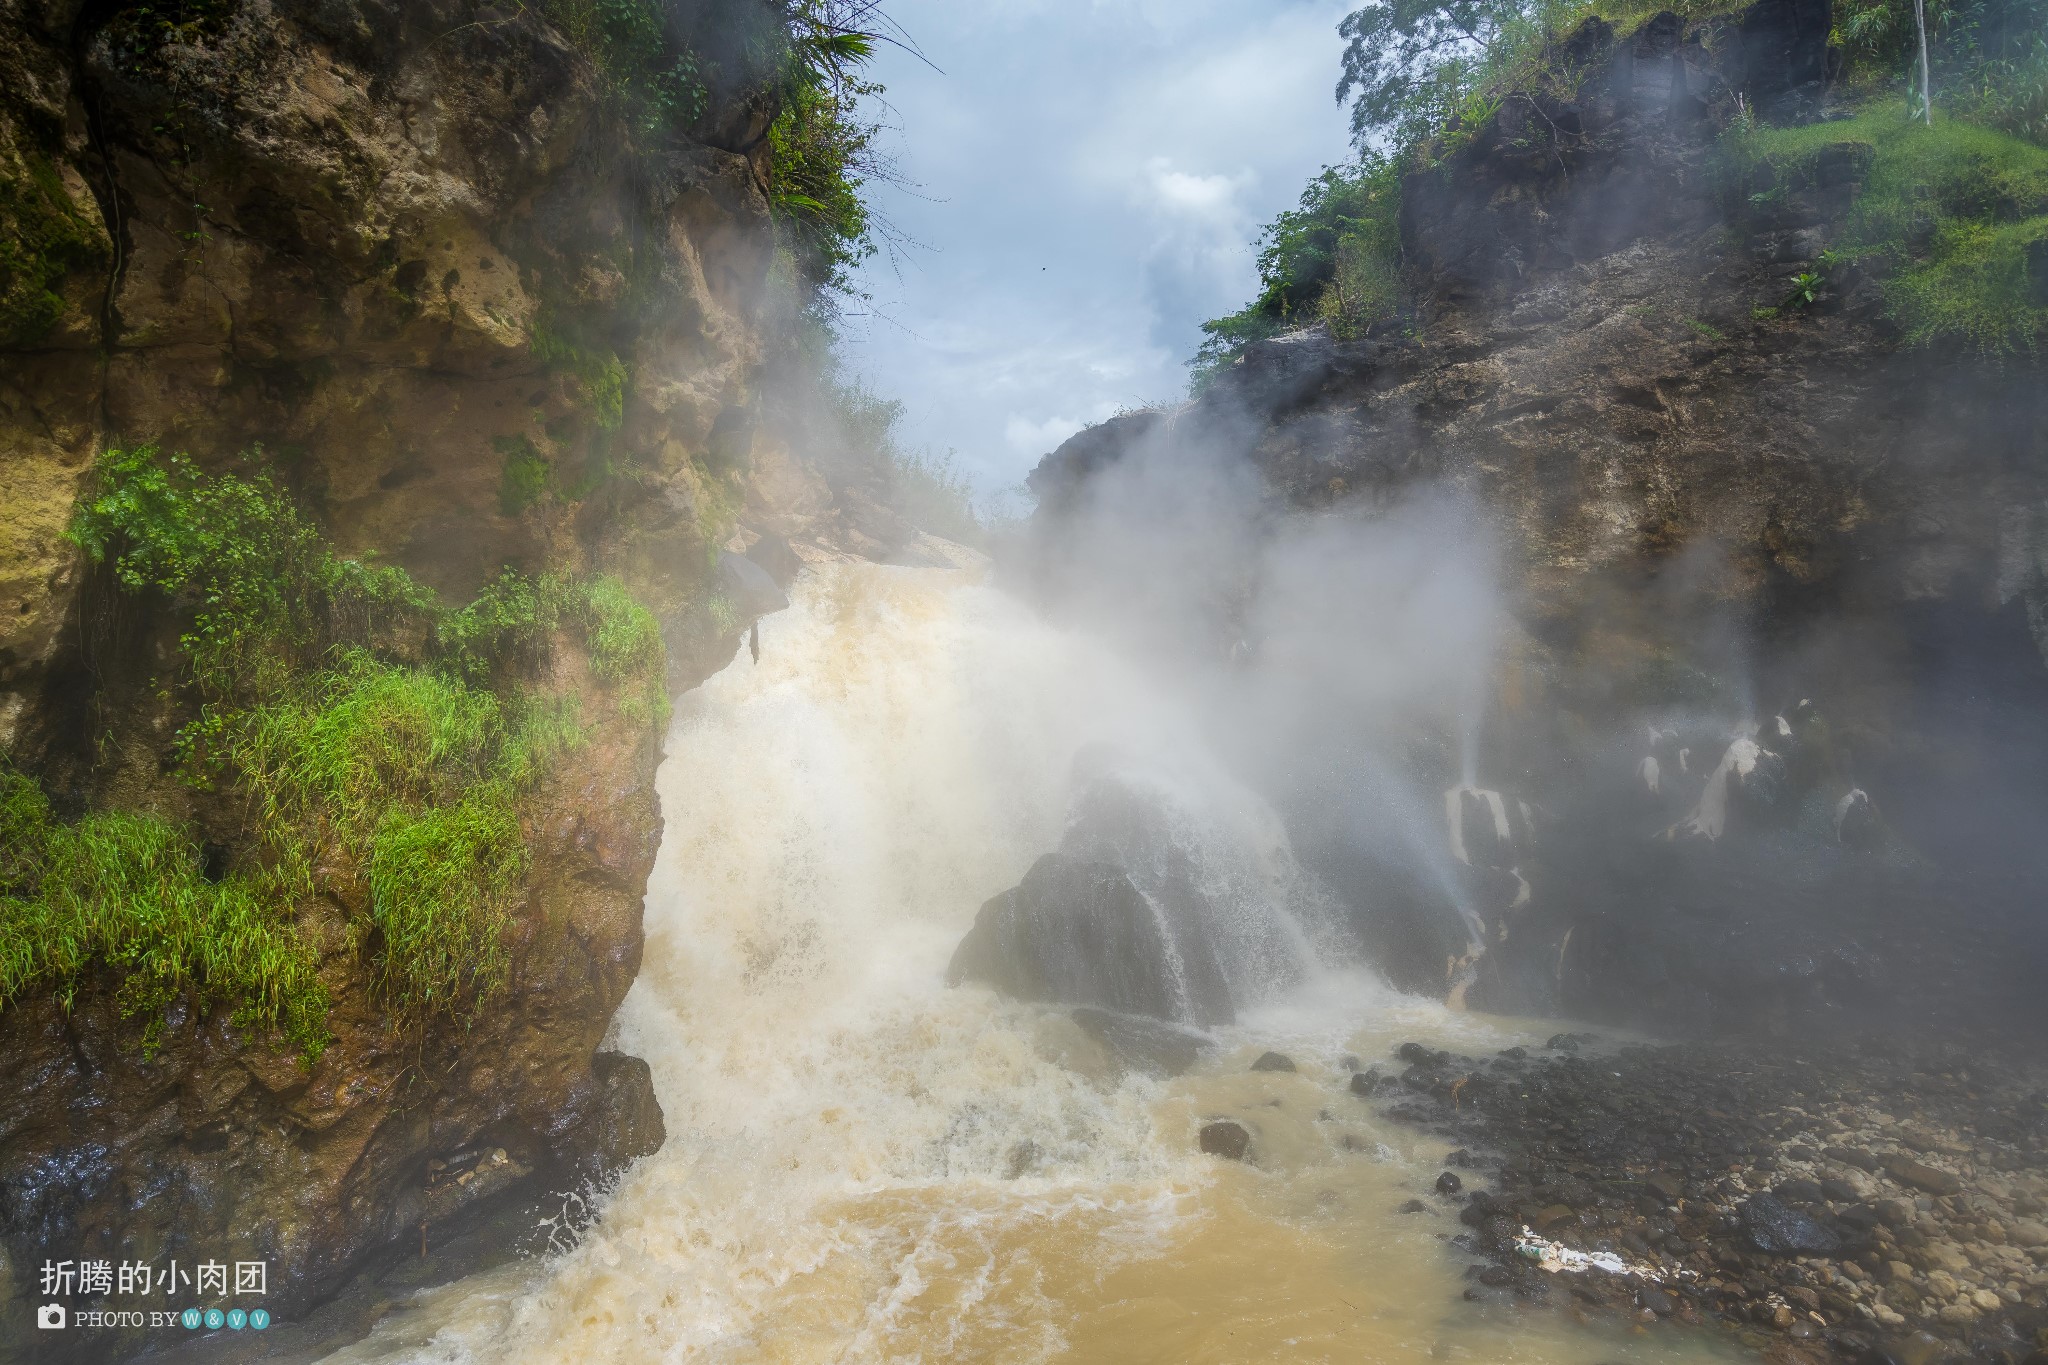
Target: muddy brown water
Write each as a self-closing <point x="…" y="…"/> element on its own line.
<point x="866" y="1166"/>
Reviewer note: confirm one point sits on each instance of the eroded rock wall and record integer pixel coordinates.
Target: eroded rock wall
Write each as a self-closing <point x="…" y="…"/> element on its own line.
<point x="1710" y="505"/>
<point x="398" y="250"/>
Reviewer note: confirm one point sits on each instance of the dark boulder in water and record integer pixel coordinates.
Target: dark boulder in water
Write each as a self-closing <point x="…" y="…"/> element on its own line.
<point x="1273" y="1061"/>
<point x="1144" y="1044"/>
<point x="1079" y="933"/>
<point x="1779" y="1229"/>
<point x="1226" y="1139"/>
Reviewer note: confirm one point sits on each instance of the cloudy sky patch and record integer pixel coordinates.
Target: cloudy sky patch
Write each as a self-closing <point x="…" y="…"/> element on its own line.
<point x="1090" y="175"/>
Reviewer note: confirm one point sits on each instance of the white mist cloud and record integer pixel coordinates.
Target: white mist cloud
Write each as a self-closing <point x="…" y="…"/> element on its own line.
<point x="1033" y="438"/>
<point x="1091" y="173"/>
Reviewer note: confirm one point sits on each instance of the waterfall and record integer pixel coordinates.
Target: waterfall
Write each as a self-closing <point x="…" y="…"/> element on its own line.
<point x="864" y="1165"/>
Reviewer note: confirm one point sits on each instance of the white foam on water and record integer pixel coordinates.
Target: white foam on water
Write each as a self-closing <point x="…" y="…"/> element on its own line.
<point x="863" y="1165"/>
<point x="834" y="817"/>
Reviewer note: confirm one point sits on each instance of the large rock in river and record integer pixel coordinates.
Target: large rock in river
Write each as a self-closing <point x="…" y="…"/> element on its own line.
<point x="1077" y="932"/>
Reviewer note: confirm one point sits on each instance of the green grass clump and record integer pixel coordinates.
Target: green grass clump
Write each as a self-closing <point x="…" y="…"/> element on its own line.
<point x="382" y="742"/>
<point x="441" y="880"/>
<point x="124" y="891"/>
<point x="1949" y="209"/>
<point x="414" y="776"/>
<point x="626" y="648"/>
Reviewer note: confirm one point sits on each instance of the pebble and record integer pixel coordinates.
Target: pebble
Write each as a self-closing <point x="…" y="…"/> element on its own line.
<point x="1921" y="1176"/>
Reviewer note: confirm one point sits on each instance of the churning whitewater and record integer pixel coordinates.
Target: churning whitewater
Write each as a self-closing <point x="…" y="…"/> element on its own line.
<point x="865" y="1165"/>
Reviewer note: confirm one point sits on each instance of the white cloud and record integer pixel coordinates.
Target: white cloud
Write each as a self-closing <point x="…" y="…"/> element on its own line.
<point x="1036" y="438"/>
<point x="1200" y="196"/>
<point x="1091" y="173"/>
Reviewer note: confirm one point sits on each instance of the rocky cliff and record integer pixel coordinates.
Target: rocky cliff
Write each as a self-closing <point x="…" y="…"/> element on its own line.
<point x="410" y="267"/>
<point x="1728" y="485"/>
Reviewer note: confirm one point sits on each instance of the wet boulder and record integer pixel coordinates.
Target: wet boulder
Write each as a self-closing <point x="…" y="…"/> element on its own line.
<point x="1144" y="1044"/>
<point x="1226" y="1139"/>
<point x="1076" y="932"/>
<point x="1778" y="1229"/>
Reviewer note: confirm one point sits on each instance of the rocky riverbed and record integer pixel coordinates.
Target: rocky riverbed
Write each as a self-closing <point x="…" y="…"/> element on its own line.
<point x="1879" y="1202"/>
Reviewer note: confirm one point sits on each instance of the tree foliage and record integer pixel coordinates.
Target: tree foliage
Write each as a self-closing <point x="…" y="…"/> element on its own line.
<point x="1406" y="63"/>
<point x="1334" y="256"/>
<point x="824" y="147"/>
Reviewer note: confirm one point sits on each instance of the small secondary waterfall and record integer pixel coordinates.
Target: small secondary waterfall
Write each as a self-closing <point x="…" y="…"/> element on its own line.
<point x="864" y="1165"/>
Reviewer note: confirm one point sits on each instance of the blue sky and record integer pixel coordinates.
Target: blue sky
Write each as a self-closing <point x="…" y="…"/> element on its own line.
<point x="1090" y="175"/>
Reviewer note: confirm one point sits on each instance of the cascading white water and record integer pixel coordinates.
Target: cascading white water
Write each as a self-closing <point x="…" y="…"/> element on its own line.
<point x="863" y="1165"/>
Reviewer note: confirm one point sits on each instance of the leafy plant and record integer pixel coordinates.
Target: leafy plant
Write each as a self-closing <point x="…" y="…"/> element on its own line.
<point x="1805" y="291"/>
<point x="822" y="147"/>
<point x="266" y="596"/>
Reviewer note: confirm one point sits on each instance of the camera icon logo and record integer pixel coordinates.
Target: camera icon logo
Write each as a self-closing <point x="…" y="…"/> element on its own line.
<point x="50" y="1315"/>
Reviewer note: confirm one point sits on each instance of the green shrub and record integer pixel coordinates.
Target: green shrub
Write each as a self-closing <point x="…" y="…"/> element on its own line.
<point x="1947" y="211"/>
<point x="267" y="596"/>
<point x="649" y="82"/>
<point x="823" y="148"/>
<point x="1336" y="256"/>
<point x="1990" y="57"/>
<point x="508" y="627"/>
